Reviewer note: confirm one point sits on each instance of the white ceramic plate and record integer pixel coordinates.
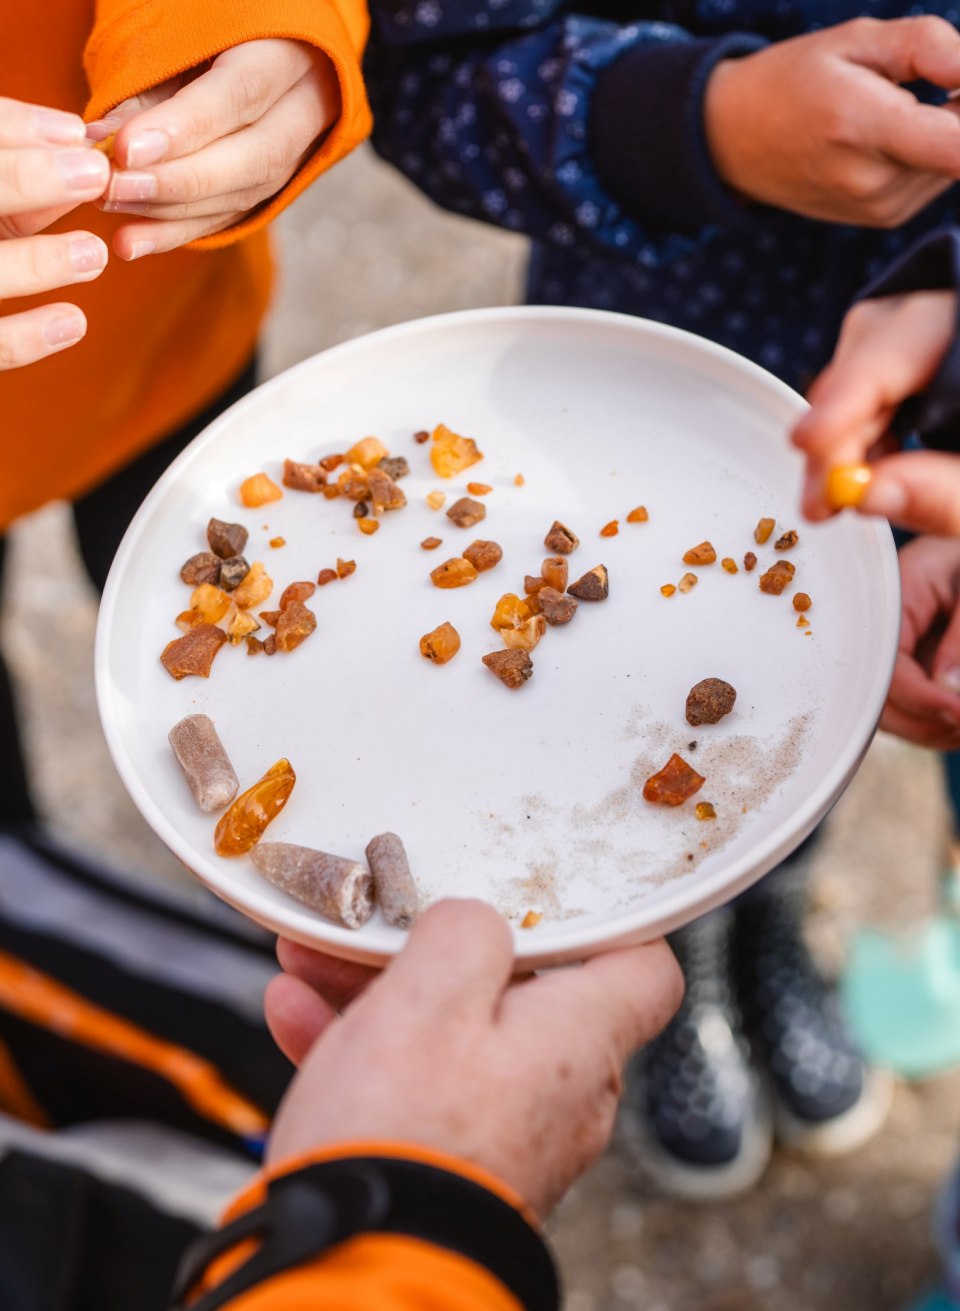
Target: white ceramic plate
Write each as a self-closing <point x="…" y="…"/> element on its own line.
<point x="530" y="799"/>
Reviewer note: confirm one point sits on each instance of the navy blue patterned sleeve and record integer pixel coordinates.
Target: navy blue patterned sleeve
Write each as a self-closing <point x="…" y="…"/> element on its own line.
<point x="570" y="129"/>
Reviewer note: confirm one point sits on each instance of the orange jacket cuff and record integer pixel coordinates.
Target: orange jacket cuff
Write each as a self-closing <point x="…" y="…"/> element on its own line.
<point x="137" y="45"/>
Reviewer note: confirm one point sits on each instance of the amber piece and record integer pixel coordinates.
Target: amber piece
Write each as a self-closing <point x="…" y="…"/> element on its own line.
<point x="244" y="823"/>
<point x="270" y="645"/>
<point x="255" y="588"/>
<point x="483" y="555"/>
<point x="846" y="486"/>
<point x="519" y="480"/>
<point x="331" y="462"/>
<point x="777" y="577"/>
<point x="453" y="573"/>
<point x="277" y="542"/>
<point x="194" y="653"/>
<point x="271" y="617"/>
<point x="526" y="635"/>
<point x="532" y="602"/>
<point x="705" y="810"/>
<point x="421" y="436"/>
<point x="210" y="602"/>
<point x="384" y="492"/>
<point x="702" y="554"/>
<point x="361" y="510"/>
<point x="667" y="589"/>
<point x="240" y="625"/>
<point x="354" y="484"/>
<point x="450" y="453"/>
<point x="346" y="567"/>
<point x="802" y="601"/>
<point x="709" y="700"/>
<point x="367" y="452"/>
<point x="639" y="515"/>
<point x="803" y="621"/>
<point x="533" y="585"/>
<point x="688" y="582"/>
<point x="749" y="561"/>
<point x="510" y="612"/>
<point x="395" y="466"/>
<point x="610" y="529"/>
<point x="303" y="477"/>
<point x="297" y="592"/>
<point x="188" y="619"/>
<point x="259" y="489"/>
<point x="479" y="489"/>
<point x="435" y="500"/>
<point x="254" y="645"/>
<point x="431" y="543"/>
<point x="294" y="626"/>
<point x="465" y="512"/>
<point x="331" y="491"/>
<point x="787" y="541"/>
<point x="201" y="568"/>
<point x="672" y="785"/>
<point x="556" y="608"/>
<point x="594" y="585"/>
<point x="763" y="530"/>
<point x="555" y="572"/>
<point x="513" y="668"/>
<point x="106" y="145"/>
<point x="531" y="919"/>
<point x="226" y="539"/>
<point x="368" y="526"/>
<point x="326" y="576"/>
<point x="729" y="565"/>
<point x="560" y="539"/>
<point x="441" y="645"/>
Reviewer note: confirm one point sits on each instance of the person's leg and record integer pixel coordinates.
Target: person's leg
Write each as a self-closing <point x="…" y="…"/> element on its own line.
<point x="103" y="515"/>
<point x="16" y="806"/>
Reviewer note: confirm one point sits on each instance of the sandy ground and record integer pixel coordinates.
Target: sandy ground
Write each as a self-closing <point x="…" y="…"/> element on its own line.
<point x="362" y="250"/>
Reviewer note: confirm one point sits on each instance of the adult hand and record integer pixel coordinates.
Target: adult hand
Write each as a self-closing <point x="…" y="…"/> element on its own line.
<point x="443" y="1050"/>
<point x="889" y="349"/>
<point x="47" y="168"/>
<point x="923" y="705"/>
<point x="198" y="153"/>
<point x="820" y="124"/>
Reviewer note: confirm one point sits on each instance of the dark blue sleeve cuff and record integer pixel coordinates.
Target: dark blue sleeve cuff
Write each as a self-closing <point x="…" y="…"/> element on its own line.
<point x="649" y="142"/>
<point x="932" y="265"/>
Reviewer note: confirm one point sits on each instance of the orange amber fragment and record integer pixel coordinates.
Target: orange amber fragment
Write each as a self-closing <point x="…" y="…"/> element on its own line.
<point x="519" y="480"/>
<point x="346" y="567"/>
<point x="366" y="452"/>
<point x="729" y="565"/>
<point x="193" y="653"/>
<point x="510" y="612"/>
<point x="847" y="485"/>
<point x="479" y="489"/>
<point x="297" y="592"/>
<point x="368" y="526"/>
<point x="241" y="625"/>
<point x="188" y="619"/>
<point x="450" y="453"/>
<point x="331" y="491"/>
<point x="254" y="589"/>
<point x="526" y="635"/>
<point x="431" y="543"/>
<point x="555" y="571"/>
<point x="802" y="602"/>
<point x="639" y="515"/>
<point x="258" y="490"/>
<point x="763" y="530"/>
<point x="453" y="573"/>
<point x="667" y="589"/>
<point x="705" y="810"/>
<point x="610" y="529"/>
<point x="531" y="919"/>
<point x="803" y="621"/>
<point x="295" y="624"/>
<point x="435" y="500"/>
<point x="673" y="784"/>
<point x="330" y="462"/>
<point x="354" y="484"/>
<point x="277" y="542"/>
<point x="326" y="576"/>
<point x="441" y="645"/>
<point x="210" y="602"/>
<point x="688" y="582"/>
<point x="702" y="554"/>
<point x="242" y="826"/>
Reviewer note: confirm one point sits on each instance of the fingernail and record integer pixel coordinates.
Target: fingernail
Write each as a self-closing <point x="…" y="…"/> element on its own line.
<point x="133" y="186"/>
<point x="58" y="128"/>
<point x="950" y="679"/>
<point x="141" y="248"/>
<point x="885" y="498"/>
<point x="101" y="128"/>
<point x="88" y="255"/>
<point x="147" y="148"/>
<point x="64" y="329"/>
<point x="83" y="170"/>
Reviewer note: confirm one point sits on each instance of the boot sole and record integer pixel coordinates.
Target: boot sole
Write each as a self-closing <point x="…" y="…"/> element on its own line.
<point x="846" y="1132"/>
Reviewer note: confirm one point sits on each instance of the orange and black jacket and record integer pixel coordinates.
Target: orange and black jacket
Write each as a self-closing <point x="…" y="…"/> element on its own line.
<point x="372" y="1227"/>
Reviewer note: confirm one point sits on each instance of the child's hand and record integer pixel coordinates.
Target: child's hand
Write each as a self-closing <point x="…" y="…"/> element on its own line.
<point x="47" y="168"/>
<point x="198" y="153"/>
<point x="442" y="1049"/>
<point x="889" y="349"/>
<point x="819" y="125"/>
<point x="923" y="704"/>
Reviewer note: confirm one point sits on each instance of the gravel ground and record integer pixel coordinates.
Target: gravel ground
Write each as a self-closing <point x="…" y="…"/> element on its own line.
<point x="362" y="250"/>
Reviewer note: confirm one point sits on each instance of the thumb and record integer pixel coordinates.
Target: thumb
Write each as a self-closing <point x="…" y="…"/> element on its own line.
<point x="919" y="490"/>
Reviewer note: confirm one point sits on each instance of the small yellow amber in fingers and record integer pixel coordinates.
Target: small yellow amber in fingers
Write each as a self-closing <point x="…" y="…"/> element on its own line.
<point x="242" y="826"/>
<point x="846" y="485"/>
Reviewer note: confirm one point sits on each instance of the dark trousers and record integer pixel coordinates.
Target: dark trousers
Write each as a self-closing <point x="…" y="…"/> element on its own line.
<point x="101" y="518"/>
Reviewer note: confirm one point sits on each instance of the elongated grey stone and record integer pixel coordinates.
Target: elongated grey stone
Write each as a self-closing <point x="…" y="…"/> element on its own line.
<point x="396" y="890"/>
<point x="340" y="889"/>
<point x="205" y="764"/>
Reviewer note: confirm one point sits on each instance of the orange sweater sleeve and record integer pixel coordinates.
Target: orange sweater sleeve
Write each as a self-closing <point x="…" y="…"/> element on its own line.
<point x="136" y="44"/>
<point x="373" y="1271"/>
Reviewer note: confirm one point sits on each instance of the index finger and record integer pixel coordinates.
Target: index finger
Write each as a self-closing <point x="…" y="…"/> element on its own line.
<point x="22" y="124"/>
<point x="237" y="90"/>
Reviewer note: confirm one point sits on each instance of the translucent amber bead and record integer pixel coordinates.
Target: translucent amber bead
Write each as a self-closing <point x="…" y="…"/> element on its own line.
<point x="441" y="645"/>
<point x="210" y="602"/>
<point x="510" y="612"/>
<point x="729" y="565"/>
<point x="366" y="452"/>
<point x="254" y="589"/>
<point x="245" y="822"/>
<point x="259" y="490"/>
<point x="611" y="529"/>
<point x="667" y="589"/>
<point x="763" y="530"/>
<point x="450" y="453"/>
<point x="453" y="573"/>
<point x="846" y="485"/>
<point x="639" y="515"/>
<point x="672" y="785"/>
<point x="702" y="554"/>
